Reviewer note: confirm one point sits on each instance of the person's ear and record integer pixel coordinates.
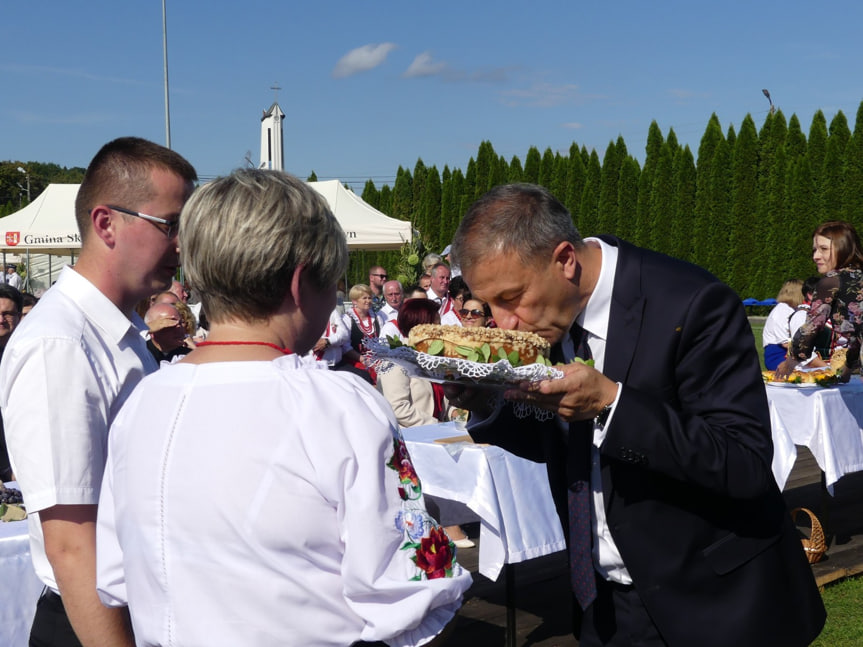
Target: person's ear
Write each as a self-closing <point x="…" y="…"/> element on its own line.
<point x="564" y="257"/>
<point x="103" y="223"/>
<point x="299" y="285"/>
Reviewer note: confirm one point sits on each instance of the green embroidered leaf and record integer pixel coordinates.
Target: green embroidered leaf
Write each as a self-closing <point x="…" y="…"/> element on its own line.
<point x="436" y="347"/>
<point x="416" y="578"/>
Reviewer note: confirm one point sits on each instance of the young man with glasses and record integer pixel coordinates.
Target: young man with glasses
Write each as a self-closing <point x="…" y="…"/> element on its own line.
<point x="85" y="333"/>
<point x="377" y="278"/>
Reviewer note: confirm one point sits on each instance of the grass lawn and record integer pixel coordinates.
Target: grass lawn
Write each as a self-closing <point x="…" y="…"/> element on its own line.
<point x="757" y="327"/>
<point x="844" y="602"/>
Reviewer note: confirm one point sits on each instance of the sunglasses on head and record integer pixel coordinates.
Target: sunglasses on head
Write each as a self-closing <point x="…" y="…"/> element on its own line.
<point x="464" y="312"/>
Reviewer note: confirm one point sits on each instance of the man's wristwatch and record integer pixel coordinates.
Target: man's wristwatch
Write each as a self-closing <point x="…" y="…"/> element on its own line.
<point x="602" y="417"/>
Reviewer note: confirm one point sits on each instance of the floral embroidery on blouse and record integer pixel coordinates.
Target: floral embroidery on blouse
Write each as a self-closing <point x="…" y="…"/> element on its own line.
<point x="434" y="552"/>
<point x="410" y="486"/>
<point x="838" y="300"/>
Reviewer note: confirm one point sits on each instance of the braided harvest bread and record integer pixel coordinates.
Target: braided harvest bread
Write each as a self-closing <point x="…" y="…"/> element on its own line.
<point x="480" y="344"/>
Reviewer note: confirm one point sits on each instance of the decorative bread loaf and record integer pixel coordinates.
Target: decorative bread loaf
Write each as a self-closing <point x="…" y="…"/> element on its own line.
<point x="480" y="344"/>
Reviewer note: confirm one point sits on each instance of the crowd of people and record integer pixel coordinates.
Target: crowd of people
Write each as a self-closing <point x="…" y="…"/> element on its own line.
<point x="155" y="411"/>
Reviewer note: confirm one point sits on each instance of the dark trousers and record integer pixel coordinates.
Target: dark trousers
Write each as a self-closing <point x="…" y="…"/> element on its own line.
<point x="51" y="626"/>
<point x="617" y="618"/>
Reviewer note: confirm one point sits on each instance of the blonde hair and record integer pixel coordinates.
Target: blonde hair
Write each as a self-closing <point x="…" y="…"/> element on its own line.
<point x="359" y="290"/>
<point x="791" y="293"/>
<point x="243" y="236"/>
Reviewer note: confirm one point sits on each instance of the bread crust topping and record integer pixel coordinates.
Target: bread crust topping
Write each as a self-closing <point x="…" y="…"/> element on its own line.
<point x="458" y="341"/>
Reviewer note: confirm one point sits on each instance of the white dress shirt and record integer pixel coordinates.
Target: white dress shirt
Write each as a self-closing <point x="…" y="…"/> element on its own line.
<point x="594" y="319"/>
<point x="266" y="504"/>
<point x="389" y="313"/>
<point x="14" y="279"/>
<point x="65" y="372"/>
<point x="338" y="335"/>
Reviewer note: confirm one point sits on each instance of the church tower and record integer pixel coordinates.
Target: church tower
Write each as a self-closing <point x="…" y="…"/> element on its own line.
<point x="272" y="137"/>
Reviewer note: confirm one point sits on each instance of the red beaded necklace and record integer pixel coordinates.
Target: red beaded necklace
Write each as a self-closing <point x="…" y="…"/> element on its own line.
<point x="368" y="330"/>
<point x="286" y="351"/>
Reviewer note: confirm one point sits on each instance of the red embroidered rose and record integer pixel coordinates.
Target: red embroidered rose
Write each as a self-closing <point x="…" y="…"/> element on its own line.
<point x="435" y="554"/>
<point x="401" y="462"/>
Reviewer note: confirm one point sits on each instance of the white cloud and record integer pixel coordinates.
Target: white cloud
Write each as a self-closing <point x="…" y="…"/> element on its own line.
<point x="424" y="66"/>
<point x="362" y="59"/>
<point x="542" y="95"/>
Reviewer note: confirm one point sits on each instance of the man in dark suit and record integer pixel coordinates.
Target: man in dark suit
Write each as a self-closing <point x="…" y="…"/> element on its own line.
<point x="659" y="458"/>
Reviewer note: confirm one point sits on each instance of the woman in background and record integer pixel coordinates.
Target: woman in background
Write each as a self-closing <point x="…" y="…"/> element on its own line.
<point x="777" y="330"/>
<point x="838" y="298"/>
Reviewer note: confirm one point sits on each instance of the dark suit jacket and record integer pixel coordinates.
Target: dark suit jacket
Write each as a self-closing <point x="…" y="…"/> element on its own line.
<point x="686" y="464"/>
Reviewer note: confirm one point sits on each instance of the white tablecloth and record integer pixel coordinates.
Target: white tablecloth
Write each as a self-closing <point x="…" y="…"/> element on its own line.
<point x="19" y="586"/>
<point x="826" y="420"/>
<point x="510" y="494"/>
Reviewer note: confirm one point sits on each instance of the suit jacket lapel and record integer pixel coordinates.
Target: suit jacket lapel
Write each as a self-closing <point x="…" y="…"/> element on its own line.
<point x="627" y="307"/>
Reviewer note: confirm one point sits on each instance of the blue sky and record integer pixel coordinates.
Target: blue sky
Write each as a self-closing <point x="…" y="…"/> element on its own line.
<point x="368" y="86"/>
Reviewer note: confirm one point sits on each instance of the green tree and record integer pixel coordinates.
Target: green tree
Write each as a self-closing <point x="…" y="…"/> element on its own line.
<point x="588" y="210"/>
<point x="608" y="188"/>
<point x="743" y="227"/>
<point x="546" y="169"/>
<point x="531" y="165"/>
<point x="486" y="159"/>
<point x="716" y="249"/>
<point x="816" y="150"/>
<point x="371" y="195"/>
<point x="515" y="173"/>
<point x="704" y="207"/>
<point x="403" y="197"/>
<point x="833" y="171"/>
<point x="431" y="208"/>
<point x="627" y="197"/>
<point x="852" y="199"/>
<point x="683" y="204"/>
<point x="576" y="176"/>
<point x="643" y="224"/>
<point x="661" y="201"/>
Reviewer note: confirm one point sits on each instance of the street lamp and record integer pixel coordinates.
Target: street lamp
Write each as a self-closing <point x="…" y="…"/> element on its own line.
<point x="27" y="175"/>
<point x="772" y="108"/>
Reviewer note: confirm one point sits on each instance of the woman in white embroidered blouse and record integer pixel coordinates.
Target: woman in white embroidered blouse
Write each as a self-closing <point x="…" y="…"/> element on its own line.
<point x="244" y="501"/>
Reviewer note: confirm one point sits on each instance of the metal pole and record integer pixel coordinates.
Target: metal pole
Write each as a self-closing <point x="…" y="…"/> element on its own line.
<point x="165" y="58"/>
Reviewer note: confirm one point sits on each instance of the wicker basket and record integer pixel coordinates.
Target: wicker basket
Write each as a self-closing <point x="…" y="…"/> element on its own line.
<point x="815" y="545"/>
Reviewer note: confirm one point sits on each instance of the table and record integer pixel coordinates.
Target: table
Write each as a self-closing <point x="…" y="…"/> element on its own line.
<point x="829" y="421"/>
<point x="510" y="494"/>
<point x="19" y="586"/>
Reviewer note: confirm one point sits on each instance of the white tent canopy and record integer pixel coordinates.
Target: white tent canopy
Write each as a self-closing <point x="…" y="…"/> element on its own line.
<point x="47" y="225"/>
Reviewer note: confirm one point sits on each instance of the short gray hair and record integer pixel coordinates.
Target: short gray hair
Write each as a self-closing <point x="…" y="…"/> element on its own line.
<point x="243" y="236"/>
<point x="522" y="219"/>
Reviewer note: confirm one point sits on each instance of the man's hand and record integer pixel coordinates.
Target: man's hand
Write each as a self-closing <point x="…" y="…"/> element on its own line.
<point x="321" y="345"/>
<point x="473" y="398"/>
<point x="582" y="393"/>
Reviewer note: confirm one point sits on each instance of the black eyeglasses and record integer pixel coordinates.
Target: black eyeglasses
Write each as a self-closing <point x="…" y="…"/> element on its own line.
<point x="173" y="226"/>
<point x="380" y="276"/>
<point x="464" y="312"/>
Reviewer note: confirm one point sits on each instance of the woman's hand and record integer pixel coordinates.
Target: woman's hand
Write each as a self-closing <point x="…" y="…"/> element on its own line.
<point x="784" y="370"/>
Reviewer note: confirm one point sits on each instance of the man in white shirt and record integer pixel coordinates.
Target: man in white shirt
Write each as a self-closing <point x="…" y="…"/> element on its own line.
<point x="13" y="278"/>
<point x="394" y="295"/>
<point x="66" y="372"/>
<point x="439" y="289"/>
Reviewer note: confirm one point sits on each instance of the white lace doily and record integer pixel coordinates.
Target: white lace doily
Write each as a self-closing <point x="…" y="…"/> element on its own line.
<point x="500" y="374"/>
